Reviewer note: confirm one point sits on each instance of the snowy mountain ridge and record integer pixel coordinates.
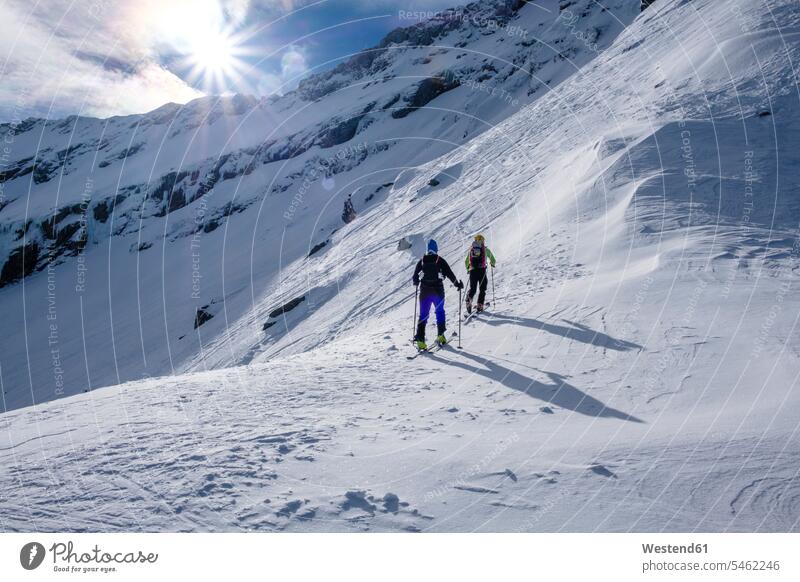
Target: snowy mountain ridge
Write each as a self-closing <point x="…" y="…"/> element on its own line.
<point x="130" y="197"/>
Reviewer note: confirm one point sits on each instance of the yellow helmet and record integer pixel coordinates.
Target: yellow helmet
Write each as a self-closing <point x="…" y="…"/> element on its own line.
<point x="479" y="238"/>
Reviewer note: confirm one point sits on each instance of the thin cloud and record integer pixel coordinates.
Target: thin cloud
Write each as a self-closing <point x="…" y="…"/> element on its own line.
<point x="68" y="59"/>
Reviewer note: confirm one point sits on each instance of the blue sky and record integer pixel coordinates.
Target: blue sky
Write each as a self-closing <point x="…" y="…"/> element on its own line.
<point x="110" y="57"/>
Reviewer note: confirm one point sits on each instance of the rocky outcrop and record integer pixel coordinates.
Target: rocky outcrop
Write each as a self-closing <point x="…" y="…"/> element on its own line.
<point x="426" y="91"/>
<point x="201" y="316"/>
<point x="21" y="263"/>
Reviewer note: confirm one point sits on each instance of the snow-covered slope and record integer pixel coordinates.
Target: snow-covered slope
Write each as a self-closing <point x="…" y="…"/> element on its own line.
<point x="118" y="231"/>
<point x="637" y="370"/>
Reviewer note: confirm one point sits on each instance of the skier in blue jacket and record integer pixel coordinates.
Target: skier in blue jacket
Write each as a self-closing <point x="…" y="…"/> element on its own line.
<point x="429" y="275"/>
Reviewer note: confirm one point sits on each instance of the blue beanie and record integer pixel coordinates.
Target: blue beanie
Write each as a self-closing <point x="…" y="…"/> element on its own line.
<point x="433" y="248"/>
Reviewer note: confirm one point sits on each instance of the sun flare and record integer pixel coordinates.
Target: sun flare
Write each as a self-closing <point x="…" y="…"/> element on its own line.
<point x="214" y="54"/>
<point x="209" y="48"/>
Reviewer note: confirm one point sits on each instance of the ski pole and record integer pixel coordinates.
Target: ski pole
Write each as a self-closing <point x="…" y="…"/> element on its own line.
<point x="459" y="319"/>
<point x="414" y="323"/>
<point x="494" y="301"/>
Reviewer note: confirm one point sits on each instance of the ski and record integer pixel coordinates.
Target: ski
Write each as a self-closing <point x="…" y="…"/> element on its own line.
<point x="475" y="312"/>
<point x="429" y="350"/>
<point x="433" y="348"/>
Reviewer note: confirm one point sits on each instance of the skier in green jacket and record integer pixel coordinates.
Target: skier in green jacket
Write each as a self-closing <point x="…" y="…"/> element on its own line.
<point x="476" y="263"/>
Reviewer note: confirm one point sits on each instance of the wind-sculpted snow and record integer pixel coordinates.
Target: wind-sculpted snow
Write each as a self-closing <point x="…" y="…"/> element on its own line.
<point x="636" y="369"/>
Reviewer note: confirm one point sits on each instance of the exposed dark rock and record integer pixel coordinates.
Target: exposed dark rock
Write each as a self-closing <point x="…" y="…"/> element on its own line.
<point x="392" y="102"/>
<point x="48" y="228"/>
<point x="601" y="470"/>
<point x="20" y="168"/>
<point x="378" y="189"/>
<point x="211" y="225"/>
<point x="164" y="186"/>
<point x="176" y="197"/>
<point x="41" y="172"/>
<point x="318" y="247"/>
<point x="62" y="155"/>
<point x="201" y="316"/>
<point x="23" y="230"/>
<point x="26" y="125"/>
<point x="21" y="263"/>
<point x="102" y="210"/>
<point x="65" y="211"/>
<point x="372" y="61"/>
<point x="427" y="90"/>
<point x="285" y="151"/>
<point x="65" y="234"/>
<point x="128" y="152"/>
<point x="287" y="307"/>
<point x="177" y="200"/>
<point x="339" y="134"/>
<point x="232" y="208"/>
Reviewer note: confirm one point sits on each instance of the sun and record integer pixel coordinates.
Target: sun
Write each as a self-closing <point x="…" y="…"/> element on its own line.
<point x="214" y="55"/>
<point x="209" y="50"/>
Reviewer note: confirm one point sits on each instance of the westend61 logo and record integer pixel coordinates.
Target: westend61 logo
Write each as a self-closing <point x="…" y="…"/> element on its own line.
<point x="66" y="559"/>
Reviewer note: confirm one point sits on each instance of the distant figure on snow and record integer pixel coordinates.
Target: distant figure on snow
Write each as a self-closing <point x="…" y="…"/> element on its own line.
<point x="476" y="268"/>
<point x="349" y="212"/>
<point x="429" y="275"/>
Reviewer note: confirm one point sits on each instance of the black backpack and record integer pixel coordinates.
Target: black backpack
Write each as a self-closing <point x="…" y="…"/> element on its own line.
<point x="431" y="270"/>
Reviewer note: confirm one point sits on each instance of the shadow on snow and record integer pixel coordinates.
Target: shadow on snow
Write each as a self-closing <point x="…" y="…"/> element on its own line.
<point x="560" y="393"/>
<point x="575" y="331"/>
